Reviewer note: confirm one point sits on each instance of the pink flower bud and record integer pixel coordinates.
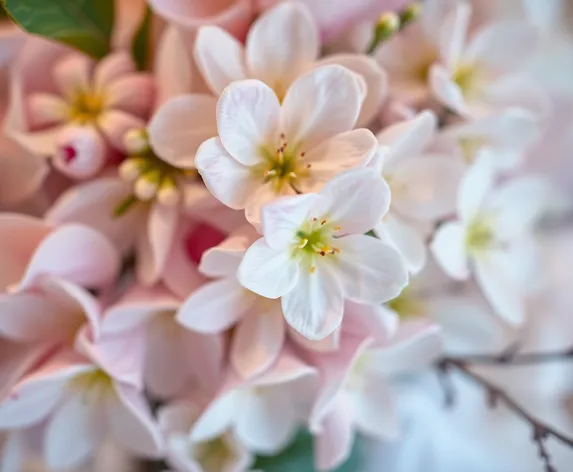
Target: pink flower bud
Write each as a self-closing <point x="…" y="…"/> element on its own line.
<point x="80" y="153"/>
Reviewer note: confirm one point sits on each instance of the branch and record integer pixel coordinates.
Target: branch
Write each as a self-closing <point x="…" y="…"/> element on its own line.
<point x="511" y="357"/>
<point x="540" y="430"/>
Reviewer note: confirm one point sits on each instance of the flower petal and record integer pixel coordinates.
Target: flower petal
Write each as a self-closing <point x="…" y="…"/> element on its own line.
<point x="216" y="306"/>
<point x="220" y="57"/>
<point x="374" y="77"/>
<point x="449" y="249"/>
<point x="335" y="155"/>
<point x="230" y="181"/>
<point x="217" y="417"/>
<point x="370" y="271"/>
<point x="111" y="68"/>
<point x="297" y="49"/>
<point x="248" y="116"/>
<point x="453" y="35"/>
<point x="72" y="73"/>
<point x="180" y="126"/>
<point x="72" y="433"/>
<point x="282" y="218"/>
<point x="314" y="307"/>
<point x="447" y="91"/>
<point x="321" y="104"/>
<point x="76" y="253"/>
<point x="161" y="228"/>
<point x="268" y="272"/>
<point x="114" y="124"/>
<point x="476" y="185"/>
<point x="132" y="94"/>
<point x="356" y="200"/>
<point x="257" y="341"/>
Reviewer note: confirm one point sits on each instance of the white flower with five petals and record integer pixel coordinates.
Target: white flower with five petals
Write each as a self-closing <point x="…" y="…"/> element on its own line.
<point x="266" y="150"/>
<point x="314" y="253"/>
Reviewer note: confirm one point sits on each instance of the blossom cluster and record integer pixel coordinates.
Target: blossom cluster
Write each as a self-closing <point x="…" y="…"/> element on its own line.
<point x="261" y="231"/>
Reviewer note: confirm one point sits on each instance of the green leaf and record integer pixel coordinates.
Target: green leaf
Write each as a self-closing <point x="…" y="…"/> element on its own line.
<point x="140" y="46"/>
<point x="299" y="457"/>
<point x="83" y="24"/>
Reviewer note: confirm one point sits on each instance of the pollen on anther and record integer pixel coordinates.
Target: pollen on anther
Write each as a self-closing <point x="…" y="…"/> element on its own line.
<point x="302" y="154"/>
<point x="336" y="228"/>
<point x="322" y="253"/>
<point x="308" y="166"/>
<point x="312" y="269"/>
<point x="323" y="222"/>
<point x="314" y="219"/>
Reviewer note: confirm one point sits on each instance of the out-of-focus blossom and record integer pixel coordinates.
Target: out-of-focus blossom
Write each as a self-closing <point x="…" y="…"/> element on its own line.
<point x="493" y="238"/>
<point x="423" y="185"/>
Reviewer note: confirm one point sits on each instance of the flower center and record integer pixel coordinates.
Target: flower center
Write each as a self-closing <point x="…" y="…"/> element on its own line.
<point x="315" y="238"/>
<point x="283" y="167"/>
<point x="92" y="385"/>
<point x="155" y="178"/>
<point x="407" y="306"/>
<point x="466" y="77"/>
<point x="470" y="147"/>
<point x="213" y="455"/>
<point x="480" y="235"/>
<point x="86" y="107"/>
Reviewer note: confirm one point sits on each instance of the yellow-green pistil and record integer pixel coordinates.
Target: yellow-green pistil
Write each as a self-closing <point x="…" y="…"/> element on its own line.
<point x="315" y="238"/>
<point x="283" y="167"/>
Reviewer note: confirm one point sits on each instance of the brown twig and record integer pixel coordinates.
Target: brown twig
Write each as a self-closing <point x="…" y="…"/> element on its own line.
<point x="540" y="430"/>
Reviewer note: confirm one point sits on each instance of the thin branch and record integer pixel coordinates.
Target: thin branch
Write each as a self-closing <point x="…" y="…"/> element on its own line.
<point x="512" y="358"/>
<point x="541" y="431"/>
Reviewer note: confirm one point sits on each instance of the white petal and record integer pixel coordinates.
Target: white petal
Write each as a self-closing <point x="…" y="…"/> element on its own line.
<point x="344" y="151"/>
<point x="180" y="126"/>
<point x="314" y="307"/>
<point x="374" y="409"/>
<point x="257" y="341"/>
<point x="131" y="422"/>
<point x="502" y="293"/>
<point x="374" y="77"/>
<point x="476" y="185"/>
<point x="407" y="239"/>
<point x="268" y="272"/>
<point x="449" y="249"/>
<point x="72" y="433"/>
<point x="230" y="181"/>
<point x="356" y="200"/>
<point x="217" y="417"/>
<point x="426" y="187"/>
<point x="447" y="91"/>
<point x="223" y="260"/>
<point x="321" y="104"/>
<point x="220" y="57"/>
<point x="216" y="306"/>
<point x="266" y="423"/>
<point x="409" y="138"/>
<point x="248" y="115"/>
<point x="282" y="218"/>
<point x="278" y="62"/>
<point x="370" y="271"/>
<point x="333" y="444"/>
<point x="453" y="34"/>
<point x="503" y="46"/>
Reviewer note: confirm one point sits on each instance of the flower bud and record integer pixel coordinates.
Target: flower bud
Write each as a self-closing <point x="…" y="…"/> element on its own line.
<point x="136" y="141"/>
<point x="81" y="152"/>
<point x="147" y="185"/>
<point x="133" y="167"/>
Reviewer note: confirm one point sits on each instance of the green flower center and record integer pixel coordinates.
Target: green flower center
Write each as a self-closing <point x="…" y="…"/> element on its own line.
<point x="213" y="455"/>
<point x="480" y="235"/>
<point x="92" y="385"/>
<point x="315" y="238"/>
<point x="283" y="167"/>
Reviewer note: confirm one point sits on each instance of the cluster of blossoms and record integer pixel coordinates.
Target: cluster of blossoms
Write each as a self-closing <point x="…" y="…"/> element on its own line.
<point x="253" y="236"/>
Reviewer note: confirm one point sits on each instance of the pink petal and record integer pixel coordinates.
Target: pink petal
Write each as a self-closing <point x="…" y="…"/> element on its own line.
<point x="136" y="307"/>
<point x="180" y="126"/>
<point x="16" y="359"/>
<point x="297" y="50"/>
<point x="132" y="94"/>
<point x="20" y="235"/>
<point x="72" y="73"/>
<point x="207" y="374"/>
<point x="131" y="423"/>
<point x="161" y="228"/>
<point x="333" y="444"/>
<point x="173" y="67"/>
<point x="46" y="110"/>
<point x="257" y="341"/>
<point x="234" y="16"/>
<point x="111" y="68"/>
<point x="215" y="307"/>
<point x="219" y="57"/>
<point x="77" y="253"/>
